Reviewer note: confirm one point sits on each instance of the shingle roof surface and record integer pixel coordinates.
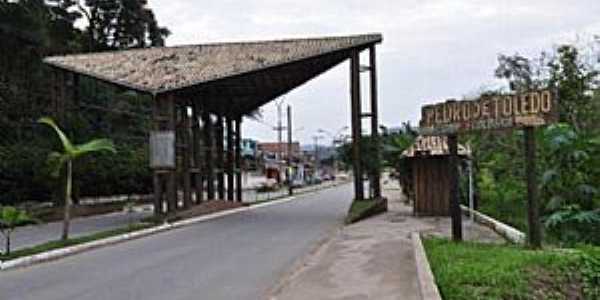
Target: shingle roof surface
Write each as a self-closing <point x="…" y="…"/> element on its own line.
<point x="433" y="146"/>
<point x="168" y="68"/>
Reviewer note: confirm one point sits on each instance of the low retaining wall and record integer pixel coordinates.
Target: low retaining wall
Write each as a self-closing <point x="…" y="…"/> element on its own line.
<point x="508" y="232"/>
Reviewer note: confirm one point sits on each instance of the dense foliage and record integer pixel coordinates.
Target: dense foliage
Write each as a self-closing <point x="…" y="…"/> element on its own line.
<point x="33" y="29"/>
<point x="568" y="152"/>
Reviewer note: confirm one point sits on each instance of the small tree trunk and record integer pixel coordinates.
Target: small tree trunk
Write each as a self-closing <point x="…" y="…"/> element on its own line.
<point x="68" y="202"/>
<point x="8" y="242"/>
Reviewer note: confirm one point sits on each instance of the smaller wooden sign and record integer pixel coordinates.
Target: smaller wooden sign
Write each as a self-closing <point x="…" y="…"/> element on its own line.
<point x="162" y="149"/>
<point x="489" y="113"/>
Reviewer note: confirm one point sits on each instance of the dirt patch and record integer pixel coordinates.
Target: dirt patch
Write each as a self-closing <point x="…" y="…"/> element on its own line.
<point x="548" y="285"/>
<point x="205" y="208"/>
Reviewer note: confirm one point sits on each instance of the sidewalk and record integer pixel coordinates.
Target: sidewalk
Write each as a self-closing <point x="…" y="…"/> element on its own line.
<point x="372" y="259"/>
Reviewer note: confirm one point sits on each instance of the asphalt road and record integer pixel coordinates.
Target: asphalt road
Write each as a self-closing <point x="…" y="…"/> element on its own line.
<point x="236" y="257"/>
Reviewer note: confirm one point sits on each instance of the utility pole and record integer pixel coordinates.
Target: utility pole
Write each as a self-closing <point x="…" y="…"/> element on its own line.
<point x="316" y="138"/>
<point x="289" y="150"/>
<point x="279" y="130"/>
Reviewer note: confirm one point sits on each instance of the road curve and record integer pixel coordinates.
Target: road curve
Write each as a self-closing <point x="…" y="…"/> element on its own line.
<point x="236" y="257"/>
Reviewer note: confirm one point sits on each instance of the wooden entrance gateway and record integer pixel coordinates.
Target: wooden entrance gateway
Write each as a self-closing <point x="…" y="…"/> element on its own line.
<point x="201" y="94"/>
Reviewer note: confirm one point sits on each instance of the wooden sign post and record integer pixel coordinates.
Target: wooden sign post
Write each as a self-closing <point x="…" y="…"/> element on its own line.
<point x="519" y="111"/>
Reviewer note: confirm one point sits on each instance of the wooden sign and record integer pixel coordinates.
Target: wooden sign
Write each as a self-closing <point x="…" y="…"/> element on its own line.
<point x="489" y="113"/>
<point x="162" y="149"/>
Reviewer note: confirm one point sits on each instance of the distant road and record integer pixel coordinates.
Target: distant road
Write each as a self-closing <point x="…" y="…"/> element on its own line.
<point x="236" y="257"/>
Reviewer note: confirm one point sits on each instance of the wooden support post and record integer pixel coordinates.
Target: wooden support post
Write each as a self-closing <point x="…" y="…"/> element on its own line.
<point x="156" y="176"/>
<point x="186" y="156"/>
<point x="220" y="158"/>
<point x="199" y="190"/>
<point x="455" y="211"/>
<point x="356" y="125"/>
<point x="376" y="176"/>
<point x="238" y="158"/>
<point x="534" y="230"/>
<point x="172" y="174"/>
<point x="230" y="158"/>
<point x="289" y="152"/>
<point x="208" y="155"/>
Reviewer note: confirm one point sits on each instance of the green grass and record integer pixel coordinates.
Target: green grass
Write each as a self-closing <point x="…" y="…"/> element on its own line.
<point x="361" y="209"/>
<point x="481" y="271"/>
<point x="57" y="244"/>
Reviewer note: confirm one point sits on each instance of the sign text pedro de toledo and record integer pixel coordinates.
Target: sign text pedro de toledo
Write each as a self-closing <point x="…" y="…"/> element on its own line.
<point x="517" y="111"/>
<point x="488" y="113"/>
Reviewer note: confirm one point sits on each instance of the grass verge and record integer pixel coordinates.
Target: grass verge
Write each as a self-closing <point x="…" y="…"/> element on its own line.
<point x="57" y="244"/>
<point x="362" y="209"/>
<point x="482" y="271"/>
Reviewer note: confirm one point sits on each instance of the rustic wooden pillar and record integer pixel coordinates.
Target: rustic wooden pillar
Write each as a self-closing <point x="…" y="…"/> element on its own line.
<point x="157" y="176"/>
<point x="230" y="158"/>
<point x="376" y="176"/>
<point x="208" y="155"/>
<point x="534" y="229"/>
<point x="455" y="211"/>
<point x="238" y="158"/>
<point x="198" y="167"/>
<point x="186" y="148"/>
<point x="356" y="125"/>
<point x="171" y="174"/>
<point x="220" y="158"/>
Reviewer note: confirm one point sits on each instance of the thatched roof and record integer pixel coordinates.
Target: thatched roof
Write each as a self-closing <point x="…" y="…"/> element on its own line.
<point x="433" y="146"/>
<point x="157" y="70"/>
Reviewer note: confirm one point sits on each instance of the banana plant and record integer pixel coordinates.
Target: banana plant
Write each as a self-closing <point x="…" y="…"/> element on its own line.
<point x="10" y="218"/>
<point x="70" y="153"/>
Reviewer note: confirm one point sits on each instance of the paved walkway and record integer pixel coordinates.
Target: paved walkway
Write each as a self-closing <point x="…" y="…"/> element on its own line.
<point x="372" y="259"/>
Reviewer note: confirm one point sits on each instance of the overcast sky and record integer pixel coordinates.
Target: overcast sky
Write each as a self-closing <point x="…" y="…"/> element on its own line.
<point x="432" y="49"/>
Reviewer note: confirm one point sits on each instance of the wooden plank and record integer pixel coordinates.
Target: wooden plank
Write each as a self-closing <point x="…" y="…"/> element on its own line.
<point x="238" y="158"/>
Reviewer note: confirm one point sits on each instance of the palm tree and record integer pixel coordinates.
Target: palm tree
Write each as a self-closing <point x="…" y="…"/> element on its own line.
<point x="10" y="218"/>
<point x="69" y="154"/>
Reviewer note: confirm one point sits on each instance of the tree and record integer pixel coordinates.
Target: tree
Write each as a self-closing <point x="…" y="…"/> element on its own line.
<point x="10" y="218"/>
<point x="71" y="152"/>
<point x="119" y="24"/>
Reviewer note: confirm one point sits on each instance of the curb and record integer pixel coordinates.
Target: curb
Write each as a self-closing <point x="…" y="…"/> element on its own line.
<point x="508" y="232"/>
<point x="72" y="250"/>
<point x="427" y="286"/>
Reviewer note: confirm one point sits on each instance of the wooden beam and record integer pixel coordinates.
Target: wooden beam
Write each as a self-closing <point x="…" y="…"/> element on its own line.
<point x="356" y="125"/>
<point x="238" y="158"/>
<point x="172" y="174"/>
<point x="208" y="155"/>
<point x="455" y="211"/>
<point x="197" y="152"/>
<point x="220" y="158"/>
<point x="230" y="158"/>
<point x="186" y="156"/>
<point x="533" y="211"/>
<point x="376" y="176"/>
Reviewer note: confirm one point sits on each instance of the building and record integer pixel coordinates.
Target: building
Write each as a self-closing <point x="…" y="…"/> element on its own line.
<point x="271" y="149"/>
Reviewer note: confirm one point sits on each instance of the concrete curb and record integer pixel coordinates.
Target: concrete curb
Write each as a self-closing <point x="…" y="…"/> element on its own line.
<point x="72" y="250"/>
<point x="508" y="232"/>
<point x="427" y="287"/>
